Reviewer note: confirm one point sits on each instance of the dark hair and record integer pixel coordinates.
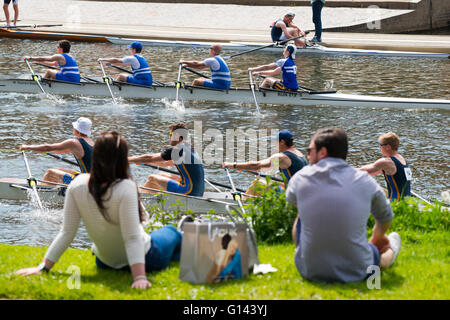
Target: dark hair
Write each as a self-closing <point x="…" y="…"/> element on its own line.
<point x="225" y="241"/>
<point x="289" y="142"/>
<point x="334" y="140"/>
<point x="180" y="128"/>
<point x="109" y="166"/>
<point x="64" y="45"/>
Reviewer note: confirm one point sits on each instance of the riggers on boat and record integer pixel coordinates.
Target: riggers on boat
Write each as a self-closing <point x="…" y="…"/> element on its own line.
<point x="303" y="97"/>
<point x="16" y="189"/>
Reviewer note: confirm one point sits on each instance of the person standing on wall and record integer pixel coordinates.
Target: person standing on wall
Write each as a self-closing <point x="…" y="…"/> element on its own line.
<point x="317" y="6"/>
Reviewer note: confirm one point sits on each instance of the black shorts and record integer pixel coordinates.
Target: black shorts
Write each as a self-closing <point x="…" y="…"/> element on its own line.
<point x="278" y="85"/>
<point x="9" y="1"/>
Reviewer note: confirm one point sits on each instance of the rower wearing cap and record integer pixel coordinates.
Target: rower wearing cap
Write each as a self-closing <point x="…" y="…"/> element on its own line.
<point x="69" y="69"/>
<point x="81" y="147"/>
<point x="283" y="29"/>
<point x="285" y="66"/>
<point x="220" y="73"/>
<point x="183" y="156"/>
<point x="142" y="74"/>
<point x="288" y="160"/>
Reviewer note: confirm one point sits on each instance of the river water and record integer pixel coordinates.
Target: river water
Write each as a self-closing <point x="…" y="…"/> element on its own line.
<point x="29" y="119"/>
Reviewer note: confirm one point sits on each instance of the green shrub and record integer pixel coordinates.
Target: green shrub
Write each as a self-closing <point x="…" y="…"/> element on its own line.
<point x="270" y="214"/>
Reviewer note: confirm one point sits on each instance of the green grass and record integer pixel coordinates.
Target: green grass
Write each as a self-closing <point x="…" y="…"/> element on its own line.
<point x="421" y="272"/>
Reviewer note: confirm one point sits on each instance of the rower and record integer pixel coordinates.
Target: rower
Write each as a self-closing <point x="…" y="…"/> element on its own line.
<point x="142" y="74"/>
<point x="283" y="29"/>
<point x="393" y="166"/>
<point x="81" y="147"/>
<point x="69" y="69"/>
<point x="288" y="160"/>
<point x="182" y="155"/>
<point x="285" y="66"/>
<point x="220" y="73"/>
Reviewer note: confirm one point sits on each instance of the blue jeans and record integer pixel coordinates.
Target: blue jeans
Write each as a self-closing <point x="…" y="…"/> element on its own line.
<point x="165" y="247"/>
<point x="317" y="18"/>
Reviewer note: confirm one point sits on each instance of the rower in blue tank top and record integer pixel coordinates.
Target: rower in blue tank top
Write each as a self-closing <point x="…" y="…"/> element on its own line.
<point x="190" y="180"/>
<point x="288" y="160"/>
<point x="393" y="166"/>
<point x="142" y="75"/>
<point x="220" y="73"/>
<point x="69" y="69"/>
<point x="81" y="147"/>
<point x="285" y="66"/>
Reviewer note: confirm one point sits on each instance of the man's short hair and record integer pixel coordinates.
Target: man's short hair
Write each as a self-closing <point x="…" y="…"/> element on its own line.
<point x="334" y="140"/>
<point x="64" y="45"/>
<point x="391" y="139"/>
<point x="180" y="128"/>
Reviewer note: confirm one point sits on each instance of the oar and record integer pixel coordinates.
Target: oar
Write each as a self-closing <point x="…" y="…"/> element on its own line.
<point x="197" y="73"/>
<point x="35" y="77"/>
<point x="107" y="80"/>
<point x="131" y="72"/>
<point x="266" y="46"/>
<point x="237" y="197"/>
<point x="32" y="181"/>
<point x="420" y="197"/>
<point x="177" y="173"/>
<point x="55" y="68"/>
<point x="264" y="175"/>
<point x="178" y="83"/>
<point x="61" y="158"/>
<point x="252" y="86"/>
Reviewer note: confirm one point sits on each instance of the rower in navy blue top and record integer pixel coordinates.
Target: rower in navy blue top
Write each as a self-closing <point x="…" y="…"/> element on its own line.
<point x="142" y="75"/>
<point x="283" y="29"/>
<point x="393" y="166"/>
<point x="220" y="73"/>
<point x="285" y="66"/>
<point x="81" y="147"/>
<point x="69" y="69"/>
<point x="190" y="180"/>
<point x="288" y="160"/>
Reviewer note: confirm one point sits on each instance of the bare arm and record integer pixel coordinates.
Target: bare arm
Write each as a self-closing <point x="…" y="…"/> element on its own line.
<point x="264" y="67"/>
<point x="67" y="146"/>
<point x="270" y="72"/>
<point x="193" y="64"/>
<point x="277" y="160"/>
<point x="56" y="59"/>
<point x="378" y="166"/>
<point x="113" y="60"/>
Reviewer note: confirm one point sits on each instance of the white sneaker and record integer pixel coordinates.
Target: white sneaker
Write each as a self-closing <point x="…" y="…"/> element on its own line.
<point x="396" y="244"/>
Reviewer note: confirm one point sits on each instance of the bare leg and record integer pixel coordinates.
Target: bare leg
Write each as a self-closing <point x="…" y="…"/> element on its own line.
<point x="386" y="258"/>
<point x="294" y="232"/>
<point x="156" y="182"/>
<point x="50" y="74"/>
<point x="122" y="77"/>
<point x="198" y="82"/>
<point x="56" y="175"/>
<point x="292" y="33"/>
<point x="16" y="13"/>
<point x="6" y="10"/>
<point x="268" y="82"/>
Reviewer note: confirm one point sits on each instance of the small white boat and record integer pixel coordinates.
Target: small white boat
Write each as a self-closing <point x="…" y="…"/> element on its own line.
<point x="233" y="95"/>
<point x="310" y="49"/>
<point x="16" y="189"/>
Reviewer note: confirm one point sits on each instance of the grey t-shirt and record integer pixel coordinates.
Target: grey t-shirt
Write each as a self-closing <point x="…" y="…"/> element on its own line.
<point x="334" y="201"/>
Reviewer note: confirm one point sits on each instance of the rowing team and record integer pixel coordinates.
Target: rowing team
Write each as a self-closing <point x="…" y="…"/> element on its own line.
<point x="142" y="75"/>
<point x="191" y="178"/>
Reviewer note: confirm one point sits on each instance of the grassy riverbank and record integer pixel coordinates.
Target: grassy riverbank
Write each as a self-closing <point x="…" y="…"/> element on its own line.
<point x="420" y="272"/>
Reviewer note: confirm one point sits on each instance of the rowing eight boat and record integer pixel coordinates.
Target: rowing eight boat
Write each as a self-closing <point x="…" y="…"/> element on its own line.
<point x="234" y="95"/>
<point x="16" y="189"/>
<point x="310" y="49"/>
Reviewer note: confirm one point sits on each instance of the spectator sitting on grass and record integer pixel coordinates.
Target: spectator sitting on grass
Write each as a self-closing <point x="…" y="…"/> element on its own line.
<point x="334" y="201"/>
<point x="107" y="201"/>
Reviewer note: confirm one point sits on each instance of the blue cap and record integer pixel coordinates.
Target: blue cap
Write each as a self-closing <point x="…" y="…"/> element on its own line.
<point x="285" y="135"/>
<point x="136" y="45"/>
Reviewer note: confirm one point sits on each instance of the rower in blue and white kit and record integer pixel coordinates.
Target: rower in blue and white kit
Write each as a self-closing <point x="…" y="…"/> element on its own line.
<point x="285" y="66"/>
<point x="183" y="156"/>
<point x="142" y="74"/>
<point x="393" y="166"/>
<point x="69" y="69"/>
<point x="81" y="147"/>
<point x="220" y="73"/>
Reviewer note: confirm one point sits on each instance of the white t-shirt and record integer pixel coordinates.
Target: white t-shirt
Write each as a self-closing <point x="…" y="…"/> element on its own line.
<point x="131" y="60"/>
<point x="118" y="243"/>
<point x="280" y="63"/>
<point x="212" y="63"/>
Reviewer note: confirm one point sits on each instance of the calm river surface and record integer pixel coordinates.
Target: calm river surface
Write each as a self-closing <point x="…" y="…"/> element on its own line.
<point x="31" y="119"/>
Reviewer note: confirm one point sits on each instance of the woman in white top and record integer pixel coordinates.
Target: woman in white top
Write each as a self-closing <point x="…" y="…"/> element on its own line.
<point x="107" y="201"/>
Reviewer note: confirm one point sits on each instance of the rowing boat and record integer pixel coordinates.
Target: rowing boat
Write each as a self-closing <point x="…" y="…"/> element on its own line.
<point x="47" y="35"/>
<point x="16" y="189"/>
<point x="310" y="49"/>
<point x="233" y="95"/>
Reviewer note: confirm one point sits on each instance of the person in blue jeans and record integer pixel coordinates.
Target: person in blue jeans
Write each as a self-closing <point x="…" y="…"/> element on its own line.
<point x="317" y="6"/>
